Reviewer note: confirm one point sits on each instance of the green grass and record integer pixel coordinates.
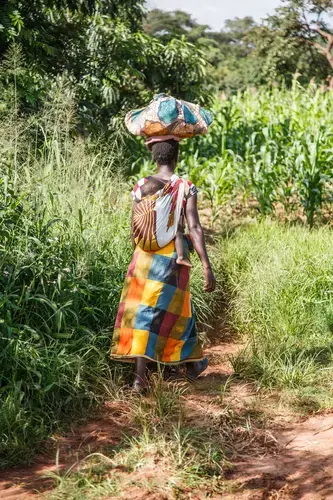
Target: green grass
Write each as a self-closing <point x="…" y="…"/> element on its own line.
<point x="64" y="251"/>
<point x="280" y="281"/>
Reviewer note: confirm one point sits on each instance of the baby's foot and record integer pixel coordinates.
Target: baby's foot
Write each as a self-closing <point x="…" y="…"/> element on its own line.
<point x="183" y="262"/>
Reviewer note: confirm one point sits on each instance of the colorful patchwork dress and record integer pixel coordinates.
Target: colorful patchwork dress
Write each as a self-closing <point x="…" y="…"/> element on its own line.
<point x="156" y="318"/>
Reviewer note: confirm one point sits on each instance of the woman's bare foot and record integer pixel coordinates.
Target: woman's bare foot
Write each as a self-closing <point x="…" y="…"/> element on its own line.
<point x="183" y="262"/>
<point x="140" y="385"/>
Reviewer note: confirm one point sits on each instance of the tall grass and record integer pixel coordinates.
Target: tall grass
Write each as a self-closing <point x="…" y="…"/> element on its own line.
<point x="64" y="251"/>
<point x="280" y="279"/>
<point x="64" y="248"/>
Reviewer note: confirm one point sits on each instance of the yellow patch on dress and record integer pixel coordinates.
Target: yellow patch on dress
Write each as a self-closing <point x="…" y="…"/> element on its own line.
<point x="167" y="250"/>
<point x="139" y="342"/>
<point x="175" y="356"/>
<point x="151" y="293"/>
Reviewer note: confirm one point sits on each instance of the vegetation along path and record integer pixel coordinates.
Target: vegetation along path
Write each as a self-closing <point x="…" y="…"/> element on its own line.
<point x="269" y="452"/>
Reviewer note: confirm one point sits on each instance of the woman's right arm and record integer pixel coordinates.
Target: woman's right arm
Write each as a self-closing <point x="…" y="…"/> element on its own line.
<point x="198" y="240"/>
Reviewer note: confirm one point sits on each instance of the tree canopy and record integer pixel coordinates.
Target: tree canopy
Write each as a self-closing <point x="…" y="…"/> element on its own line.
<point x="292" y="40"/>
<point x="296" y="38"/>
<point x="116" y="55"/>
<point x="102" y="50"/>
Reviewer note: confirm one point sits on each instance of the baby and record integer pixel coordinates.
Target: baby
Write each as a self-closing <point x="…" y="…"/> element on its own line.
<point x="149" y="189"/>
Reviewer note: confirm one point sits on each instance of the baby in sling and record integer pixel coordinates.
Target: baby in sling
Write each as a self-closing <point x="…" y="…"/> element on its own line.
<point x="159" y="215"/>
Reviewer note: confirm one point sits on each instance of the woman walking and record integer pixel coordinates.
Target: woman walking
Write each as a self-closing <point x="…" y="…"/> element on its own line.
<point x="156" y="319"/>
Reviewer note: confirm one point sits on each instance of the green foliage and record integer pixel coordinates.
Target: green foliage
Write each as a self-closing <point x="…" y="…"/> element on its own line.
<point x="280" y="279"/>
<point x="275" y="146"/>
<point x="101" y="49"/>
<point x="168" y="25"/>
<point x="287" y="42"/>
<point x="226" y="51"/>
<point x="245" y="53"/>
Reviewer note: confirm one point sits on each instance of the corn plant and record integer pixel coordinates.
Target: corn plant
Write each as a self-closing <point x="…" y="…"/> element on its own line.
<point x="313" y="175"/>
<point x="280" y="139"/>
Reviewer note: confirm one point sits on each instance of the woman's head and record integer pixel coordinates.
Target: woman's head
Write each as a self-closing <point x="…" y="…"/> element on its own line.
<point x="165" y="152"/>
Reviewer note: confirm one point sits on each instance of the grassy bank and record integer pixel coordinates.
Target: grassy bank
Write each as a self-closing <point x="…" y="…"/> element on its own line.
<point x="63" y="256"/>
<point x="64" y="251"/>
<point x="280" y="283"/>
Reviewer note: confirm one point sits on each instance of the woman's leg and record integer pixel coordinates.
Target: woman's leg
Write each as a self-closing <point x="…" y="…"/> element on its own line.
<point x="140" y="381"/>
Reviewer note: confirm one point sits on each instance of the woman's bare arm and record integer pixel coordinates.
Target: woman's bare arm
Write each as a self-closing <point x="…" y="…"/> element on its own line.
<point x="198" y="239"/>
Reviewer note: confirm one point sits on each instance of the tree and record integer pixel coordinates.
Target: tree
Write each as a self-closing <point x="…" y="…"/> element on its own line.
<point x="230" y="55"/>
<point x="226" y="51"/>
<point x="100" y="46"/>
<point x="167" y="25"/>
<point x="291" y="41"/>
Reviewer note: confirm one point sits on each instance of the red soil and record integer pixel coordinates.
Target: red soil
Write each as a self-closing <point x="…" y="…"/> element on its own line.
<point x="287" y="461"/>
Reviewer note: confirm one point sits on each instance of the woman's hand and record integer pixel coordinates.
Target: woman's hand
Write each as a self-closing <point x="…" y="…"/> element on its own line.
<point x="210" y="281"/>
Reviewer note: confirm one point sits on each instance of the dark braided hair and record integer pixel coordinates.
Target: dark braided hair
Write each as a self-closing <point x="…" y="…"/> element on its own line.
<point x="166" y="152"/>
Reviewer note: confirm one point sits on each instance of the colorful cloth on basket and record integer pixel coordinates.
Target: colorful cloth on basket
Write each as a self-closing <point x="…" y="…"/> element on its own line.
<point x="166" y="115"/>
<point x="156" y="218"/>
<point x="156" y="319"/>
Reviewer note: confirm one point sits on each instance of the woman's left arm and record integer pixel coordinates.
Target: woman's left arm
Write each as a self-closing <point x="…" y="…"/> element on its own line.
<point x="198" y="240"/>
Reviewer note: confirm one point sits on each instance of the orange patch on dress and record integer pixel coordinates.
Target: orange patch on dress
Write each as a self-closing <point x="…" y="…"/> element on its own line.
<point x="135" y="290"/>
<point x="170" y="347"/>
<point x="125" y="342"/>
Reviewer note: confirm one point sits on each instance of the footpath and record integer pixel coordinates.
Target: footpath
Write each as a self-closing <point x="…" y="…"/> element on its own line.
<point x="273" y="454"/>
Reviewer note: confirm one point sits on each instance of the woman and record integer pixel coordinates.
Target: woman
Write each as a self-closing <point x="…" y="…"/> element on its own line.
<point x="156" y="319"/>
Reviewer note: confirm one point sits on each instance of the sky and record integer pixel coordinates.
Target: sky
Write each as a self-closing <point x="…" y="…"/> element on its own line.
<point x="215" y="12"/>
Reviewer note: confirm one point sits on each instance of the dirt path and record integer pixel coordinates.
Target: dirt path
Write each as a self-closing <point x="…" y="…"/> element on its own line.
<point x="299" y="467"/>
<point x="274" y="459"/>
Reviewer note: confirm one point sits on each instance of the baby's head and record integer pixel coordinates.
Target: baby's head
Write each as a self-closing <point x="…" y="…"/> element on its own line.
<point x="151" y="186"/>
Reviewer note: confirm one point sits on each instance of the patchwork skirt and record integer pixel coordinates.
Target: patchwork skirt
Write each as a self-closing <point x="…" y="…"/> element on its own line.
<point x="156" y="318"/>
